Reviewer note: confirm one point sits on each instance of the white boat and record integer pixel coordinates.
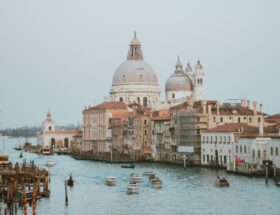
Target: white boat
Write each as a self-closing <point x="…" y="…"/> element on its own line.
<point x="136" y="177"/>
<point x="49" y="164"/>
<point x="156" y="182"/>
<point x="148" y="173"/>
<point x="111" y="181"/>
<point x="132" y="188"/>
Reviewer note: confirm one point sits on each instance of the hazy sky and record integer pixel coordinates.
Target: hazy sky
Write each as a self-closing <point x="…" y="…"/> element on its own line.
<point x="62" y="55"/>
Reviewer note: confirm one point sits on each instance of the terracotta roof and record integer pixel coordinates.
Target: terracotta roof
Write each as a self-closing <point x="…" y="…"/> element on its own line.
<point x="121" y="115"/>
<point x="108" y="105"/>
<point x="161" y="115"/>
<point x="234" y="127"/>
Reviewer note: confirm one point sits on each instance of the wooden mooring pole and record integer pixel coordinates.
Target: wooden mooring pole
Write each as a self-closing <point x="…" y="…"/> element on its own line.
<point x="66" y="194"/>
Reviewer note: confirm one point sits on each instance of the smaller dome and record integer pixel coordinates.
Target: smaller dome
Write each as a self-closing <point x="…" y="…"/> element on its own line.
<point x="178" y="81"/>
<point x="198" y="66"/>
<point x="188" y="68"/>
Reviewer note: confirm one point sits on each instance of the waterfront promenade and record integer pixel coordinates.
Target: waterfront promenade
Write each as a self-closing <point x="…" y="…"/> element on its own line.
<point x="189" y="191"/>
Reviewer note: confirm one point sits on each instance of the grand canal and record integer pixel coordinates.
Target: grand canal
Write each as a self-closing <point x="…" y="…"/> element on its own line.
<point x="189" y="191"/>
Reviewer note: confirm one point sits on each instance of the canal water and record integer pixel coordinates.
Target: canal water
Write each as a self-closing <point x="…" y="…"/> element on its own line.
<point x="189" y="191"/>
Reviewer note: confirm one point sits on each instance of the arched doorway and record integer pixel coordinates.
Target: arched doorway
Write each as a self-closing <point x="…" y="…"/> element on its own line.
<point x="66" y="141"/>
<point x="145" y="101"/>
<point x="52" y="143"/>
<point x="121" y="99"/>
<point x="138" y="100"/>
<point x="216" y="157"/>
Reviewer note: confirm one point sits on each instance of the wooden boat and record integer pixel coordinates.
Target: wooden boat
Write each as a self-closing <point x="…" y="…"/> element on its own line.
<point x="221" y="182"/>
<point x="70" y="181"/>
<point x="46" y="151"/>
<point x="156" y="182"/>
<point x="128" y="166"/>
<point x="4" y="161"/>
<point x="111" y="181"/>
<point x="28" y="195"/>
<point x="132" y="188"/>
<point x="136" y="177"/>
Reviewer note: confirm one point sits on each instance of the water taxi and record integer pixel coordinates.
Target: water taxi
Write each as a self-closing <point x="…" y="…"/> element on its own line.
<point x="111" y="181"/>
<point x="132" y="188"/>
<point x="156" y="182"/>
<point x="136" y="177"/>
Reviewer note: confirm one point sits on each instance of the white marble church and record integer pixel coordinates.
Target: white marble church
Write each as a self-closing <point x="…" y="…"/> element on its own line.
<point x="52" y="138"/>
<point x="135" y="81"/>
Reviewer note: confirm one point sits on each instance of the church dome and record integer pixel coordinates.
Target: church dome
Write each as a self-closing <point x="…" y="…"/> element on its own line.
<point x="178" y="81"/>
<point x="135" y="70"/>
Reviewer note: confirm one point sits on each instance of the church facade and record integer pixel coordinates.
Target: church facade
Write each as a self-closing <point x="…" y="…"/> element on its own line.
<point x="135" y="81"/>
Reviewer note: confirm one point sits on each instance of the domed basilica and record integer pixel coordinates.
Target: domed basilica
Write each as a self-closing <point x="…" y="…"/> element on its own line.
<point x="135" y="81"/>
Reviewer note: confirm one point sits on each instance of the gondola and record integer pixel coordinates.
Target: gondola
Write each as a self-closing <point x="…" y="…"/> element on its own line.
<point x="221" y="182"/>
<point x="70" y="181"/>
<point x="128" y="166"/>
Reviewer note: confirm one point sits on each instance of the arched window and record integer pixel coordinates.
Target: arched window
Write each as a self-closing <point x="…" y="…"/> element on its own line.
<point x="52" y="143"/>
<point x="50" y="128"/>
<point x="121" y="99"/>
<point x="173" y="95"/>
<point x="145" y="101"/>
<point x="138" y="100"/>
<point x="66" y="142"/>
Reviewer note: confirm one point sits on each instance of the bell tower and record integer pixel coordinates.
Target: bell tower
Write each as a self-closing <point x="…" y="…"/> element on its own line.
<point x="48" y="124"/>
<point x="198" y="79"/>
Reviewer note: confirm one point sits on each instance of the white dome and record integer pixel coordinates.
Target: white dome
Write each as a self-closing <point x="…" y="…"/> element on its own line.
<point x="135" y="72"/>
<point x="178" y="82"/>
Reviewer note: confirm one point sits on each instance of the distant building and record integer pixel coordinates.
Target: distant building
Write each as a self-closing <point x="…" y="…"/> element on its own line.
<point x="49" y="137"/>
<point x="227" y="143"/>
<point x="161" y="135"/>
<point x="190" y="118"/>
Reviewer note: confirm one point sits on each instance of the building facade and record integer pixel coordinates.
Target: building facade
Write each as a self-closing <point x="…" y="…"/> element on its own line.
<point x="55" y="139"/>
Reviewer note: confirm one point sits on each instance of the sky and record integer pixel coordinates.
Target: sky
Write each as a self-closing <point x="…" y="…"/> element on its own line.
<point x="61" y="55"/>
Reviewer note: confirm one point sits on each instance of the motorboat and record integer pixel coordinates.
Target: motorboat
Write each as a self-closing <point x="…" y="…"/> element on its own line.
<point x="70" y="181"/>
<point x="136" y="177"/>
<point x="156" y="182"/>
<point x="111" y="181"/>
<point x="148" y="173"/>
<point x="152" y="176"/>
<point x="132" y="188"/>
<point x="46" y="151"/>
<point x="221" y="182"/>
<point x="49" y="164"/>
<point x="128" y="166"/>
<point x="18" y="148"/>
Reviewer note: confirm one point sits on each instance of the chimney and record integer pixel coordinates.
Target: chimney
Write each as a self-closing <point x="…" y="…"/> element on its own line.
<point x="209" y="109"/>
<point x="218" y="108"/>
<point x="204" y="106"/>
<point x="261" y="106"/>
<point x="255" y="108"/>
<point x="248" y="104"/>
